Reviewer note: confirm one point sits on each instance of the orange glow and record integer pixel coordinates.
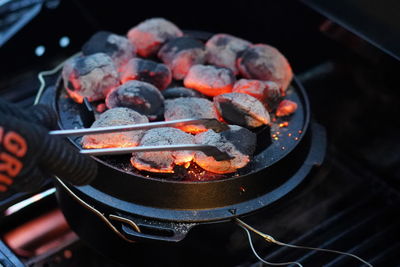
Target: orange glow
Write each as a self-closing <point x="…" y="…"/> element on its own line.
<point x="146" y="43"/>
<point x="207" y="89"/>
<point x="284" y="124"/>
<point x="254" y="88"/>
<point x="110" y="140"/>
<point x="193" y="129"/>
<point x="220" y="167"/>
<point x="145" y="167"/>
<point x="75" y="96"/>
<point x="286" y="108"/>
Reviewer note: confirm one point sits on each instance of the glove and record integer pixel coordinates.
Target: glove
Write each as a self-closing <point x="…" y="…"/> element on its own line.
<point x="28" y="152"/>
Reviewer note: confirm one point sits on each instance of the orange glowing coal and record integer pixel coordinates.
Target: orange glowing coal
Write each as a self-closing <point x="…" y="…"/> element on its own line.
<point x="285" y="108"/>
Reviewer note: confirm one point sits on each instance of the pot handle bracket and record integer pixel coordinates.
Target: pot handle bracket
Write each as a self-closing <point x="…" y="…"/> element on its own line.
<point x="143" y="229"/>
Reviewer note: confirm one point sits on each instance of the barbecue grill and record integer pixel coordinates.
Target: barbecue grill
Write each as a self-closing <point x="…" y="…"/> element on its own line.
<point x="334" y="206"/>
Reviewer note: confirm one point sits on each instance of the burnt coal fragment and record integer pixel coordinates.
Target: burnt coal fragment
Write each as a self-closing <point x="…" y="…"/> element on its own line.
<point x="113" y="117"/>
<point x="210" y="80"/>
<point x="264" y="62"/>
<point x="286" y="108"/>
<point x="119" y="48"/>
<point x="223" y="50"/>
<point x="190" y="108"/>
<point x="157" y="74"/>
<point x="139" y="96"/>
<point x="149" y="35"/>
<point x="163" y="161"/>
<point x="274" y="96"/>
<point x="180" y="54"/>
<point x="90" y="76"/>
<point x="238" y="142"/>
<point x="176" y="92"/>
<point x="241" y="109"/>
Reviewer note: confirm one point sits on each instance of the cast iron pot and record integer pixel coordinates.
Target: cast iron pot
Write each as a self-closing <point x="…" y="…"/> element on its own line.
<point x="122" y="207"/>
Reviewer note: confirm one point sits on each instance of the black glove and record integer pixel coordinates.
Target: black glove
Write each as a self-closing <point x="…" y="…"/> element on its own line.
<point x="27" y="151"/>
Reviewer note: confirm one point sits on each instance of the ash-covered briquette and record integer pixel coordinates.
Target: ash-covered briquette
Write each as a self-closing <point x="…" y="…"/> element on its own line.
<point x="119" y="48"/>
<point x="210" y="80"/>
<point x="157" y="74"/>
<point x="267" y="92"/>
<point x="223" y="50"/>
<point x="189" y="108"/>
<point x="113" y="117"/>
<point x="241" y="109"/>
<point x="163" y="161"/>
<point x="180" y="54"/>
<point x="286" y="108"/>
<point x="264" y="62"/>
<point x="149" y="35"/>
<point x="255" y="88"/>
<point x="139" y="96"/>
<point x="274" y="96"/>
<point x="238" y="142"/>
<point x="90" y="76"/>
<point x="176" y="92"/>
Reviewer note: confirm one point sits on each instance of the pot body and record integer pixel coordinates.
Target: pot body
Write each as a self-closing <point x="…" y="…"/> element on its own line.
<point x="120" y="229"/>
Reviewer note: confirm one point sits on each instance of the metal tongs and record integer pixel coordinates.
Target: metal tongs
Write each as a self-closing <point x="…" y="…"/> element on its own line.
<point x="209" y="150"/>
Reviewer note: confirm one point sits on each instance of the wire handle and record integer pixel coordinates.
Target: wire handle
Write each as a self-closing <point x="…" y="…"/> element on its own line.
<point x="247" y="228"/>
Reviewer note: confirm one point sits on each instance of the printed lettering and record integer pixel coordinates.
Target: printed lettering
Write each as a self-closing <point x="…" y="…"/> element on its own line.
<point x="15" y="144"/>
<point x="5" y="179"/>
<point x="9" y="164"/>
<point x="3" y="188"/>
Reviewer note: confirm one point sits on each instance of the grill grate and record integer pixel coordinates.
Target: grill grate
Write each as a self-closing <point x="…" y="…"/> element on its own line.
<point x="361" y="217"/>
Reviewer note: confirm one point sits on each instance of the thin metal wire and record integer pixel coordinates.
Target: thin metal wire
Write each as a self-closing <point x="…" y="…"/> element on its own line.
<point x="261" y="259"/>
<point x="270" y="239"/>
<point x="45" y="73"/>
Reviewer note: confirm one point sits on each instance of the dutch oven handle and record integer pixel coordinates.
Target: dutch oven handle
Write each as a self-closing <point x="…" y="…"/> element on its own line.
<point x="141" y="229"/>
<point x="135" y="229"/>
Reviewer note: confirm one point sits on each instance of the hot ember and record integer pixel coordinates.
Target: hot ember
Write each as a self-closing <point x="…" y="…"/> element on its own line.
<point x="113" y="117"/>
<point x="210" y="80"/>
<point x="189" y="107"/>
<point x="181" y="54"/>
<point x="223" y="50"/>
<point x="119" y="48"/>
<point x="264" y="62"/>
<point x="224" y="78"/>
<point x="151" y="34"/>
<point x="140" y="96"/>
<point x="238" y="142"/>
<point x="163" y="161"/>
<point x="286" y="108"/>
<point x="149" y="71"/>
<point x="90" y="76"/>
<point x="241" y="109"/>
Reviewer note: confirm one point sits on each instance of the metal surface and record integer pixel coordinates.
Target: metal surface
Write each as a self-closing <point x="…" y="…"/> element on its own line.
<point x="374" y="21"/>
<point x="208" y="123"/>
<point x="209" y="150"/>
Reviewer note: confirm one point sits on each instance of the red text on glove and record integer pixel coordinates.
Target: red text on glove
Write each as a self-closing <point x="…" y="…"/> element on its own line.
<point x="15" y="147"/>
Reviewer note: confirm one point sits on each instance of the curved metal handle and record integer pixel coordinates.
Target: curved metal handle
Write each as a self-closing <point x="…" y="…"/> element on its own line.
<point x="132" y="230"/>
<point x="318" y="146"/>
<point x="142" y="229"/>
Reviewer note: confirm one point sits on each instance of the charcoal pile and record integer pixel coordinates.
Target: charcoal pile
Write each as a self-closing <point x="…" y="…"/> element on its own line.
<point x="156" y="72"/>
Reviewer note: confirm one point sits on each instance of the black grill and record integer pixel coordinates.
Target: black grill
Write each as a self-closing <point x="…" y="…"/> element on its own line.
<point x="351" y="203"/>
